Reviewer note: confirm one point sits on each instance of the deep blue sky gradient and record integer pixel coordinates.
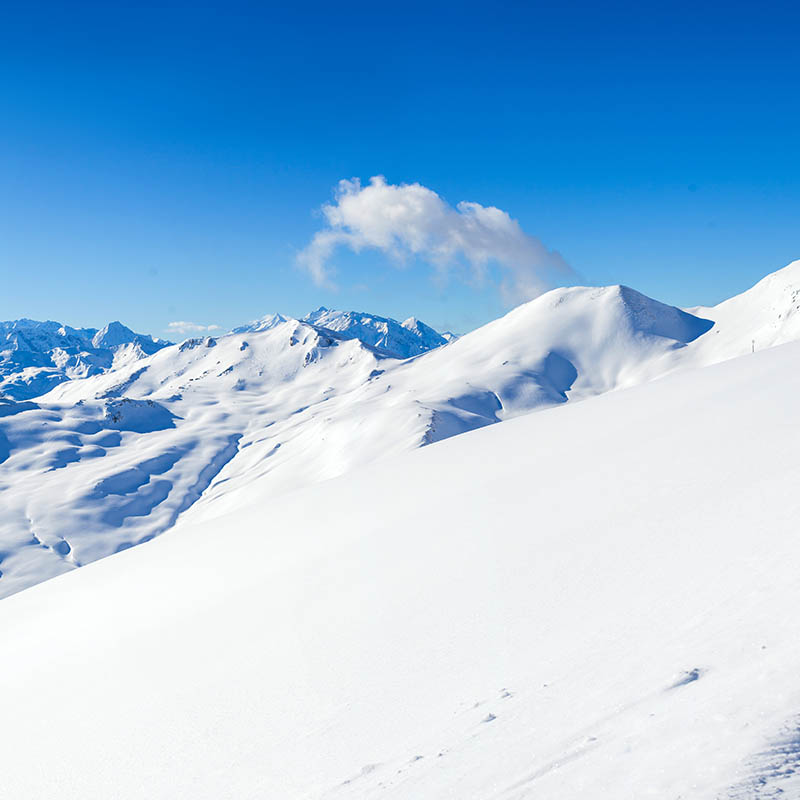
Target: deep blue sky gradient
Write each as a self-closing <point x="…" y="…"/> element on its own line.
<point x="167" y="161"/>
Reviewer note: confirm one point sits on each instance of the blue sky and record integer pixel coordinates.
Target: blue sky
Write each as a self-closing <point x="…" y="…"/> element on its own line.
<point x="163" y="162"/>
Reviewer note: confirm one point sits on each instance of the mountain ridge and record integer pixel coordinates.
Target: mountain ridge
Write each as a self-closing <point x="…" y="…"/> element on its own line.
<point x="197" y="429"/>
<point x="396" y="339"/>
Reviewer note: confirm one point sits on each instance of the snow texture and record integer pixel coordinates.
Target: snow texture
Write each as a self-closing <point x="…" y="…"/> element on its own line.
<point x="597" y="600"/>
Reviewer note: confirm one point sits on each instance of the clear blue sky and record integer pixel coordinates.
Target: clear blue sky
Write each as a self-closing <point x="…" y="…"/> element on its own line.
<point x="165" y="162"/>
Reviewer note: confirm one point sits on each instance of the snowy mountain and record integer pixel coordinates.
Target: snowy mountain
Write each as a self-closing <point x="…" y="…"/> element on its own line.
<point x="764" y="316"/>
<point x="596" y="601"/>
<point x="401" y="340"/>
<point x="36" y="356"/>
<point x="392" y="338"/>
<point x="200" y="429"/>
<point x="264" y="324"/>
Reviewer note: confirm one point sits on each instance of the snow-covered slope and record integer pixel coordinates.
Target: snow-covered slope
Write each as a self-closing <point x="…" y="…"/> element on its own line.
<point x="596" y="601"/>
<point x="36" y="356"/>
<point x="766" y="315"/>
<point x="572" y="342"/>
<point x="101" y="464"/>
<point x="199" y="429"/>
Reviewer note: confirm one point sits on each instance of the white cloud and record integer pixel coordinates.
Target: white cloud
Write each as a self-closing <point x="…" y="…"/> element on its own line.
<point x="411" y="220"/>
<point x="182" y="327"/>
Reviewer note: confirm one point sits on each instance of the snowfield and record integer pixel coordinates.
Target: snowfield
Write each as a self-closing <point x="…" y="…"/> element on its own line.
<point x="598" y="600"/>
<point x="196" y="430"/>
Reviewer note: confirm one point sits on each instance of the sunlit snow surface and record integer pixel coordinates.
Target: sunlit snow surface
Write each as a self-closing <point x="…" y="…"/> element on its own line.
<point x="594" y="601"/>
<point x="201" y="428"/>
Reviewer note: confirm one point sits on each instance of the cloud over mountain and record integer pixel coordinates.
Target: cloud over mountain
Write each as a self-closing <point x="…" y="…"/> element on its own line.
<point x="410" y="220"/>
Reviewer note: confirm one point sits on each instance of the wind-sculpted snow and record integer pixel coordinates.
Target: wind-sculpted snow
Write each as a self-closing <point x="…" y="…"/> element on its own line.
<point x="596" y="602"/>
<point x="36" y="356"/>
<point x="85" y="480"/>
<point x="305" y="403"/>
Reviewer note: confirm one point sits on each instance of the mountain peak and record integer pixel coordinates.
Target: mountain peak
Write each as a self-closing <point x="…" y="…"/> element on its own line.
<point x="656" y="318"/>
<point x="265" y="323"/>
<point x="400" y="340"/>
<point x="113" y="334"/>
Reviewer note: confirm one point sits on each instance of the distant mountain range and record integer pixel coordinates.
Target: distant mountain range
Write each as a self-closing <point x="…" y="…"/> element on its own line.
<point x="206" y="426"/>
<point x="36" y="356"/>
<point x="390" y="337"/>
<point x="402" y="340"/>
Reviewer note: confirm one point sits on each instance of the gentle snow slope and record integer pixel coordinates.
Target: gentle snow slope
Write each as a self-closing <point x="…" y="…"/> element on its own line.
<point x="594" y="601"/>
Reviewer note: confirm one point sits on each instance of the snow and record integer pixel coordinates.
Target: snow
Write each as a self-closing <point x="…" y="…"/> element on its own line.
<point x="197" y="430"/>
<point x="764" y="316"/>
<point x="401" y="340"/>
<point x="172" y="421"/>
<point x="264" y="324"/>
<point x="592" y="601"/>
<point x="389" y="337"/>
<point x="36" y="356"/>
